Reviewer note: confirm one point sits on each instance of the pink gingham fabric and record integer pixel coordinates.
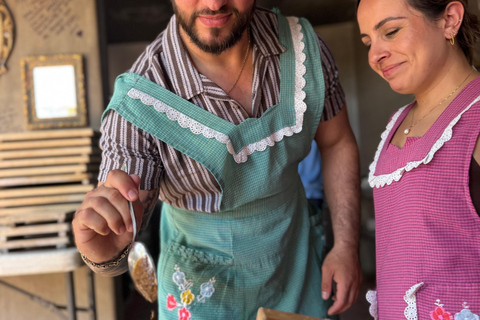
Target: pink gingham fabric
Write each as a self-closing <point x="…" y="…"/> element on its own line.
<point x="427" y="230"/>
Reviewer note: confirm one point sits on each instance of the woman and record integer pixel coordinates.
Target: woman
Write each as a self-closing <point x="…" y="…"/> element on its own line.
<point x="425" y="173"/>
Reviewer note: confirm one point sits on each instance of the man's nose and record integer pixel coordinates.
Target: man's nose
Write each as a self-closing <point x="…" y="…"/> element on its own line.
<point x="214" y="5"/>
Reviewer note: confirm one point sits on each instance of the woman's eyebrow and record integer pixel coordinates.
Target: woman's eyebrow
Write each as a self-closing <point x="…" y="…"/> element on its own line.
<point x="381" y="23"/>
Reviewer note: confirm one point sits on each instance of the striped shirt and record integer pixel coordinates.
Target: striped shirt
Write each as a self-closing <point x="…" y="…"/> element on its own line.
<point x="183" y="182"/>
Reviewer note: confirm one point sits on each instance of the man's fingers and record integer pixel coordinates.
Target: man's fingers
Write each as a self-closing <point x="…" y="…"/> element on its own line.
<point x="111" y="207"/>
<point x="87" y="219"/>
<point x="341" y="300"/>
<point x="135" y="179"/>
<point x="327" y="278"/>
<point x="127" y="185"/>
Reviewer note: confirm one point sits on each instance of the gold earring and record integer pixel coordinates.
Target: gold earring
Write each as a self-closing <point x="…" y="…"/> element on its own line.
<point x="452" y="39"/>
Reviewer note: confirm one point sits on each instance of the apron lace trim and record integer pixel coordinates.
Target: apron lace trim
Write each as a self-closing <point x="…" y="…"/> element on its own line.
<point x="388" y="179"/>
<point x="261" y="145"/>
<point x="411" y="300"/>
<point x="372" y="299"/>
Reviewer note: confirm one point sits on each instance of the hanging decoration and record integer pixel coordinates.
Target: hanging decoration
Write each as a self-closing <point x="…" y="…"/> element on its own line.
<point x="6" y="36"/>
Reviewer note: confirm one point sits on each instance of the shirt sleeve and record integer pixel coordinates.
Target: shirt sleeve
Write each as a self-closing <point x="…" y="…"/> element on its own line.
<point x="334" y="95"/>
<point x="121" y="141"/>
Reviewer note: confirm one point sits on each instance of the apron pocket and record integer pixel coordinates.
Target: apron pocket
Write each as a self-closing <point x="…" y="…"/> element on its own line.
<point x="195" y="284"/>
<point x="449" y="301"/>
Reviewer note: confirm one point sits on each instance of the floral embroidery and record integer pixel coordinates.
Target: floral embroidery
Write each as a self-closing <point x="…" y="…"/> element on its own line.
<point x="439" y="313"/>
<point x="466" y="314"/>
<point x="184" y="314"/>
<point x="206" y="290"/>
<point x="187" y="298"/>
<point x="172" y="304"/>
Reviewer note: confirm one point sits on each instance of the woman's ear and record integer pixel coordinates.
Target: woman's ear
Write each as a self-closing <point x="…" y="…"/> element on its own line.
<point x="453" y="17"/>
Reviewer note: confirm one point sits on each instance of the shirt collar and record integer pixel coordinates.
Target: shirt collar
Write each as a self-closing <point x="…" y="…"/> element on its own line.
<point x="186" y="80"/>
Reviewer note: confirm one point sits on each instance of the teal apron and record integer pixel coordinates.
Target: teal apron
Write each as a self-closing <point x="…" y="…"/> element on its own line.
<point x="264" y="248"/>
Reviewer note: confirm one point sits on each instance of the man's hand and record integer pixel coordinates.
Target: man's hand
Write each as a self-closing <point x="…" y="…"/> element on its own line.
<point x="102" y="226"/>
<point x="342" y="266"/>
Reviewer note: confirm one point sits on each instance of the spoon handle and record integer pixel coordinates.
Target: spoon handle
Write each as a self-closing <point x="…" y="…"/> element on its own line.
<point x="130" y="207"/>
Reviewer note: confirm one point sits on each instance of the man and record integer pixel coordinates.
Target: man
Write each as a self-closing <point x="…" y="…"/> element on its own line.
<point x="214" y="118"/>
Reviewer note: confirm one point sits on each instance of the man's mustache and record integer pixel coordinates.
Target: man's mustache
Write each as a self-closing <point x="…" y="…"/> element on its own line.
<point x="208" y="12"/>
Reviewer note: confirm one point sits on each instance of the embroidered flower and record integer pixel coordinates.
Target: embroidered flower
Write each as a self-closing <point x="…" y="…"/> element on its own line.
<point x="466" y="314"/>
<point x="171" y="302"/>
<point x="207" y="289"/>
<point x="440" y="314"/>
<point x="184" y="314"/>
<point x="187" y="297"/>
<point x="179" y="278"/>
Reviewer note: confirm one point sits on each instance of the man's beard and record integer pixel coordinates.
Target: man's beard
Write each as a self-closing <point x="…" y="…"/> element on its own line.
<point x="242" y="20"/>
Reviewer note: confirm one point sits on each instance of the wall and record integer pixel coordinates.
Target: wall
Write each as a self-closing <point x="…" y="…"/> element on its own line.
<point x="46" y="27"/>
<point x="15" y="306"/>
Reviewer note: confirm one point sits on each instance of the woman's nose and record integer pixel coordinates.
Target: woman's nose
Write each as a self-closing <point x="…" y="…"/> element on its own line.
<point x="377" y="53"/>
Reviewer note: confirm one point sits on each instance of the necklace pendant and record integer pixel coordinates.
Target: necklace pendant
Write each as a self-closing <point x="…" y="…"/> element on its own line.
<point x="406" y="131"/>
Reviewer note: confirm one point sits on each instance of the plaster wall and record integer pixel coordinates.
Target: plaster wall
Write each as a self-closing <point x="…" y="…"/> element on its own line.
<point x="16" y="306"/>
<point x="48" y="27"/>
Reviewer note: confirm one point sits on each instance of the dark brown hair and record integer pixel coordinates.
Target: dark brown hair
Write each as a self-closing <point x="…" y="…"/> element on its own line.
<point x="469" y="32"/>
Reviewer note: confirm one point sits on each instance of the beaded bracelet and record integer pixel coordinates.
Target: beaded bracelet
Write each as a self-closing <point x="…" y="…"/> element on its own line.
<point x="108" y="264"/>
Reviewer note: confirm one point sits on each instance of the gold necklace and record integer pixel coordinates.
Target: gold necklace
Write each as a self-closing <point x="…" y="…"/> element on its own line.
<point x="243" y="64"/>
<point x="407" y="130"/>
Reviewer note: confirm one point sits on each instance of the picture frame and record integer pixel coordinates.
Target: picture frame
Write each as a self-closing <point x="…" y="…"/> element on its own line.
<point x="54" y="91"/>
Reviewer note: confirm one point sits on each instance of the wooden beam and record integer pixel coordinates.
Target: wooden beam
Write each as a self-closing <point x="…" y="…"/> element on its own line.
<point x="41" y="153"/>
<point x="30" y="243"/>
<point x="48" y="134"/>
<point x="38" y="144"/>
<point x="35" y="180"/>
<point x="31" y="230"/>
<point x="36" y="162"/>
<point x="44" y="191"/>
<point x="32" y="218"/>
<point x="22" y="202"/>
<point x="52" y="208"/>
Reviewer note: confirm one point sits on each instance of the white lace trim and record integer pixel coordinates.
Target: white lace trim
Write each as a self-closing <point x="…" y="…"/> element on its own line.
<point x="198" y="128"/>
<point x="372" y="299"/>
<point x="387" y="179"/>
<point x="411" y="300"/>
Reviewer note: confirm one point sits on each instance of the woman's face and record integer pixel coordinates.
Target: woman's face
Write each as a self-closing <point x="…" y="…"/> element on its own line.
<point x="405" y="48"/>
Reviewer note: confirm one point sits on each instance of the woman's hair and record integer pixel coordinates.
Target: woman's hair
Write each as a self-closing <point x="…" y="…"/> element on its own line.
<point x="469" y="32"/>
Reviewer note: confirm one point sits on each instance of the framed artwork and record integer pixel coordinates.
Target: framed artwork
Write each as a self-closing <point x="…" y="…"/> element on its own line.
<point x="54" y="91"/>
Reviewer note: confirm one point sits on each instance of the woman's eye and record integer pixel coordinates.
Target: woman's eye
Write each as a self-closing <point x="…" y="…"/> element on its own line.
<point x="391" y="33"/>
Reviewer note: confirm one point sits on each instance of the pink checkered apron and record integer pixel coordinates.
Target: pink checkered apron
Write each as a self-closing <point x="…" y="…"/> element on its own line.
<point x="427" y="229"/>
